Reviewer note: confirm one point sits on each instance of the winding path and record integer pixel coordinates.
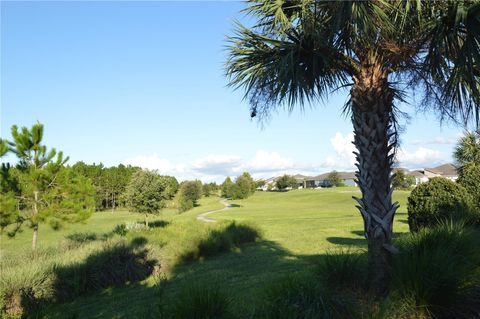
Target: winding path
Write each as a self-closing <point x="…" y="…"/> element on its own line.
<point x="202" y="217"/>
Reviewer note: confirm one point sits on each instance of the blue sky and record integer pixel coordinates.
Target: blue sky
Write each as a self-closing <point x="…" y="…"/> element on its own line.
<point x="142" y="83"/>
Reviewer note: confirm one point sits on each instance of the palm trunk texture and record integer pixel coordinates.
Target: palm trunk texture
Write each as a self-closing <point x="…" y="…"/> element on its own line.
<point x="372" y="103"/>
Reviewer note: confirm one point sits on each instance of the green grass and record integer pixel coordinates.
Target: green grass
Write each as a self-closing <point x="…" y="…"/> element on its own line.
<point x="298" y="228"/>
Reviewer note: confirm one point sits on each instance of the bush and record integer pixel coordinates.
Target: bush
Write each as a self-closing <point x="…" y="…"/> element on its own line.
<point x="436" y="272"/>
<point x="222" y="240"/>
<point x="200" y="302"/>
<point x="30" y="281"/>
<point x="303" y="297"/>
<point x="437" y="200"/>
<point x="115" y="264"/>
<point x="470" y="179"/>
<point x="190" y="192"/>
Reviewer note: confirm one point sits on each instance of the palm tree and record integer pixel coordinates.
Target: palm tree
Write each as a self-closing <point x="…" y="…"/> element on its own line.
<point x="468" y="150"/>
<point x="299" y="51"/>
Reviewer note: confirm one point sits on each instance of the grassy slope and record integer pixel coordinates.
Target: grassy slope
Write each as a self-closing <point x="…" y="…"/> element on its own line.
<point x="299" y="226"/>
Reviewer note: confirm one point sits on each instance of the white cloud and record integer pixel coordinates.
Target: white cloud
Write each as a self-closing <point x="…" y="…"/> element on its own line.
<point x="155" y="162"/>
<point x="439" y="140"/>
<point x="420" y="158"/>
<point x="265" y="161"/>
<point x="344" y="159"/>
<point x="217" y="164"/>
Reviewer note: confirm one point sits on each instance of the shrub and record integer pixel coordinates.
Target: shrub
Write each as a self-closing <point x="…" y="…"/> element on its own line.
<point x="303" y="297"/>
<point x="201" y="302"/>
<point x="23" y="290"/>
<point x="470" y="179"/>
<point x="115" y="264"/>
<point x="436" y="200"/>
<point x="436" y="272"/>
<point x="190" y="192"/>
<point x="222" y="240"/>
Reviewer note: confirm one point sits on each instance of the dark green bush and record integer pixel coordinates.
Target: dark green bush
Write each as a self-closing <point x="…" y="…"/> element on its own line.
<point x="438" y="200"/>
<point x="201" y="302"/>
<point x="470" y="179"/>
<point x="303" y="297"/>
<point x="436" y="272"/>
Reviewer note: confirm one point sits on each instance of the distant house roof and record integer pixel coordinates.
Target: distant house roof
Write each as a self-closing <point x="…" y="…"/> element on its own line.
<point x="448" y="170"/>
<point x="418" y="174"/>
<point x="301" y="178"/>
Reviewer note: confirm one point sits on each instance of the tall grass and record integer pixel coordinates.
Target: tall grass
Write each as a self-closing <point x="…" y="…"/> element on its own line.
<point x="437" y="272"/>
<point x="303" y="297"/>
<point x="200" y="302"/>
<point x="54" y="277"/>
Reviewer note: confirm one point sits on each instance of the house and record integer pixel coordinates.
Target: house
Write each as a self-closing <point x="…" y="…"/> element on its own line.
<point x="421" y="176"/>
<point x="349" y="179"/>
<point x="446" y="170"/>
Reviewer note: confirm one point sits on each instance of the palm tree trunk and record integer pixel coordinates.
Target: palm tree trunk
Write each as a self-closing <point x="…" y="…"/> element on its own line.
<point x="372" y="117"/>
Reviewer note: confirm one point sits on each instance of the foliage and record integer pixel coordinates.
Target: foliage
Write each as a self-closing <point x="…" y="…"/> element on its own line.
<point x="190" y="192"/>
<point x="436" y="272"/>
<point x="223" y="240"/>
<point x="467" y="150"/>
<point x="147" y="192"/>
<point x="342" y="269"/>
<point x="47" y="190"/>
<point x="437" y="200"/>
<point x="227" y="188"/>
<point x="470" y="179"/>
<point x="244" y="186"/>
<point x="56" y="276"/>
<point x="286" y="181"/>
<point x="201" y="302"/>
<point x="115" y="264"/>
<point x="110" y="183"/>
<point x="210" y="188"/>
<point x="334" y="179"/>
<point x="402" y="181"/>
<point x="303" y="297"/>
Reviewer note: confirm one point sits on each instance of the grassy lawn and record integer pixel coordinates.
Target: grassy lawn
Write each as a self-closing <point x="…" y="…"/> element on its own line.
<point x="298" y="228"/>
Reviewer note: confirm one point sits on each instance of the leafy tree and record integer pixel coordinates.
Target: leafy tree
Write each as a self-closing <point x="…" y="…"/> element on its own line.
<point x="260" y="183"/>
<point x="145" y="193"/>
<point x="286" y="181"/>
<point x="334" y="179"/>
<point x="300" y="51"/>
<point x="227" y="188"/>
<point x="46" y="192"/>
<point x="209" y="188"/>
<point x="244" y="186"/>
<point x="190" y="192"/>
<point x="402" y="181"/>
<point x="468" y="150"/>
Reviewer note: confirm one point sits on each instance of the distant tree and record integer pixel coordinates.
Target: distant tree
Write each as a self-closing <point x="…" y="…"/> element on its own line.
<point x="402" y="181"/>
<point x="286" y="181"/>
<point x="260" y="183"/>
<point x="171" y="186"/>
<point x="227" y="188"/>
<point x="468" y="150"/>
<point x="335" y="179"/>
<point x="48" y="192"/>
<point x="8" y="185"/>
<point x="190" y="192"/>
<point x="146" y="193"/>
<point x="244" y="186"/>
<point x="209" y="189"/>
